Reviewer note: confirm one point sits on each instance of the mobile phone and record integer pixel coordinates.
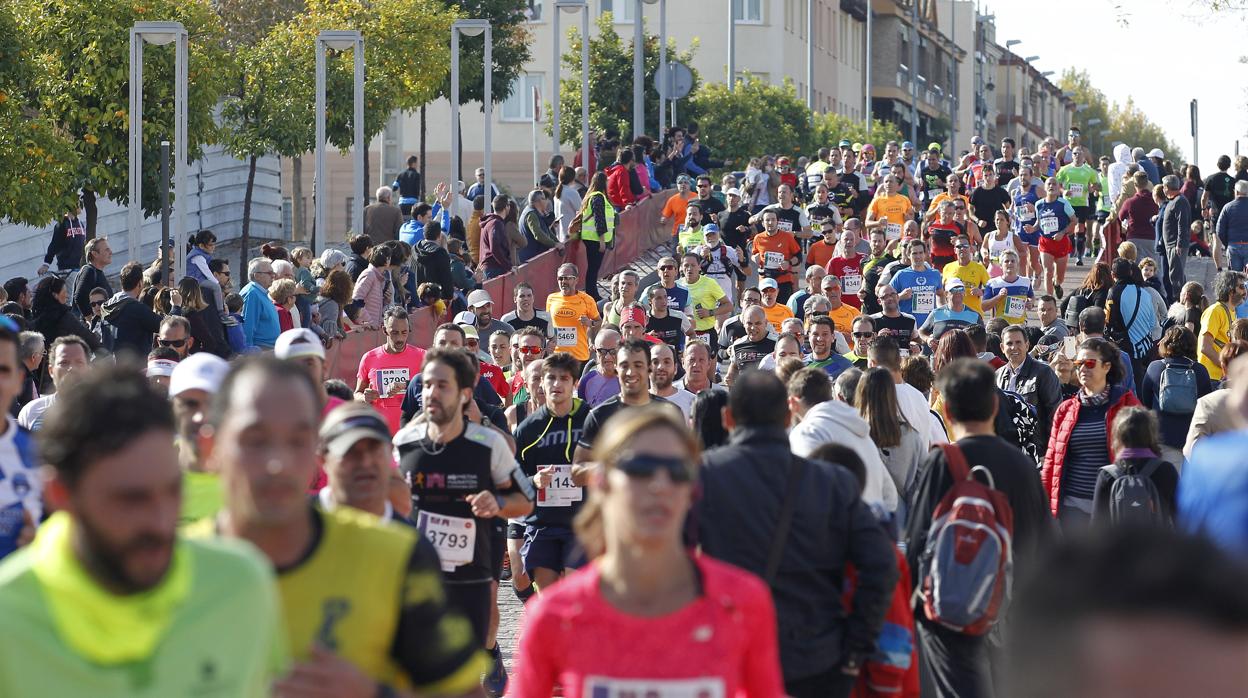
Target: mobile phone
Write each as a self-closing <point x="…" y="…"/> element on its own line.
<point x="1069" y="347"/>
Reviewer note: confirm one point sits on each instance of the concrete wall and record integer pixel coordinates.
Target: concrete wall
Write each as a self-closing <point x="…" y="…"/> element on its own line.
<point x="216" y="184"/>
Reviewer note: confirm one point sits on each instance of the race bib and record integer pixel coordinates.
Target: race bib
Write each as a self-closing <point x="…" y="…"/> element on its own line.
<point x="565" y="336"/>
<point x="851" y="283"/>
<point x="924" y="301"/>
<point x="1027" y="213"/>
<point x="1076" y="190"/>
<point x="772" y="260"/>
<point x="1048" y="224"/>
<point x="786" y="226"/>
<point x="455" y="538"/>
<point x="392" y="381"/>
<point x="892" y="231"/>
<point x="561" y="492"/>
<point x="1015" y="306"/>
<point x="606" y="687"/>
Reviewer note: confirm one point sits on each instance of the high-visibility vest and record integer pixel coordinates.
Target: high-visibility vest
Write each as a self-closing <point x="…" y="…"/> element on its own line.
<point x="589" y="227"/>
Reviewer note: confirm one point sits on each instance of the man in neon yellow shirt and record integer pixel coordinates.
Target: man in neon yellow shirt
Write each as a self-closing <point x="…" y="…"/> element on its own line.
<point x="973" y="274"/>
<point x="191" y="387"/>
<point x="1077" y="179"/>
<point x="706" y="296"/>
<point x="108" y="600"/>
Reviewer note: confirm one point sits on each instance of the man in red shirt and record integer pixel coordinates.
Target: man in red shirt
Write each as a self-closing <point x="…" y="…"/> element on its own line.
<point x="490" y="372"/>
<point x="848" y="266"/>
<point x="1137" y="214"/>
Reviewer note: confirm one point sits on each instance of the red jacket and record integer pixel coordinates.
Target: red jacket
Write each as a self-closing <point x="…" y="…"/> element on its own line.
<point x="893" y="671"/>
<point x="619" y="193"/>
<point x="1064" y="420"/>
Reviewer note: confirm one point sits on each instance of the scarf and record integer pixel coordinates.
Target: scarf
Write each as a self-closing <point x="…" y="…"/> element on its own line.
<point x="1096" y="400"/>
<point x="101" y="626"/>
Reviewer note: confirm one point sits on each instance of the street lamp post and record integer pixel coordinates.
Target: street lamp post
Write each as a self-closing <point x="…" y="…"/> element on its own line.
<point x="662" y="68"/>
<point x="867" y="69"/>
<point x="339" y="40"/>
<point x="732" y="46"/>
<point x="472" y="27"/>
<point x="158" y="34"/>
<point x="1009" y="93"/>
<point x="639" y="68"/>
<point x="569" y="6"/>
<point x="810" y="58"/>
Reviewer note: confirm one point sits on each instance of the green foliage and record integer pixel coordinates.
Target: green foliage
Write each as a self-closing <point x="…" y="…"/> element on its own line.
<point x="756" y="118"/>
<point x="37" y="160"/>
<point x="80" y="56"/>
<point x="611" y="81"/>
<point x="1126" y="123"/>
<point x="509" y="49"/>
<point x="831" y="128"/>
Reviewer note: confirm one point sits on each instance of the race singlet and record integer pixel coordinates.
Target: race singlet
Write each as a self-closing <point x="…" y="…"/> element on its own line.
<point x="924" y="301"/>
<point x="565" y="336"/>
<point x="455" y="537"/>
<point x="606" y="687"/>
<point x="561" y="492"/>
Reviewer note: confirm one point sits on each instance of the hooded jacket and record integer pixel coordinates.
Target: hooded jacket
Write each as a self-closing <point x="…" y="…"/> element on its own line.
<point x="619" y="190"/>
<point x="130" y="324"/>
<point x="1064" y="421"/>
<point x="433" y="264"/>
<point x="743" y="489"/>
<point x="836" y="421"/>
<point x="1118" y="170"/>
<point x="495" y="247"/>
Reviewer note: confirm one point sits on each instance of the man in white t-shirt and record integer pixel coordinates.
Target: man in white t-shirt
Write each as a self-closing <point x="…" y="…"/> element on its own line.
<point x="662" y="373"/>
<point x="69" y="356"/>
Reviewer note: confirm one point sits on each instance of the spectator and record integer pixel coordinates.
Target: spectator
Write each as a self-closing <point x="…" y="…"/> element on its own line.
<point x="383" y="219"/>
<point x="900" y="446"/>
<point x="31" y="350"/>
<point x="69" y="358"/>
<point x="53" y="317"/>
<point x="473" y="230"/>
<point x="619" y="189"/>
<point x="598" y="221"/>
<point x="495" y="255"/>
<point x="537" y="235"/>
<point x="334" y="295"/>
<point x="68" y="238"/>
<point x="433" y="262"/>
<point x="361" y="251"/>
<point x="1232" y="227"/>
<point x="259" y="316"/>
<point x="206" y="327"/>
<point x="199" y="267"/>
<point x="1131" y="317"/>
<point x="175" y="334"/>
<point x="1187" y="381"/>
<point x="17" y="290"/>
<point x="373" y="290"/>
<point x="1135" y="441"/>
<point x="235" y="332"/>
<point x="282" y="293"/>
<point x="92" y="276"/>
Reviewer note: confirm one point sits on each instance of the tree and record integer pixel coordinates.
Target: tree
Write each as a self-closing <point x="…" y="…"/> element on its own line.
<point x="81" y="56"/>
<point x="611" y="80"/>
<point x="37" y="160"/>
<point x="754" y="119"/>
<point x="830" y="128"/>
<point x="1126" y="124"/>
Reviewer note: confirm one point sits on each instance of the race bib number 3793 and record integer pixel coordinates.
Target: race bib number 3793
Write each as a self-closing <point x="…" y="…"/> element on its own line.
<point x="455" y="537"/>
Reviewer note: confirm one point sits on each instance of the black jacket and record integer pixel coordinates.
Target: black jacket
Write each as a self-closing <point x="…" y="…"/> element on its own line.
<point x="743" y="487"/>
<point x="57" y="320"/>
<point x="356" y="266"/>
<point x="1040" y="386"/>
<point x="68" y="238"/>
<point x="209" y="332"/>
<point x="129" y="325"/>
<point x="433" y="265"/>
<point x="89" y="278"/>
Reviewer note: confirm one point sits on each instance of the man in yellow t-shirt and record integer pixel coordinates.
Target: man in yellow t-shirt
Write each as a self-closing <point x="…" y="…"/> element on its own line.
<point x="706" y="297"/>
<point x="973" y="274"/>
<point x="889" y="210"/>
<point x="1216" y="321"/>
<point x="573" y="314"/>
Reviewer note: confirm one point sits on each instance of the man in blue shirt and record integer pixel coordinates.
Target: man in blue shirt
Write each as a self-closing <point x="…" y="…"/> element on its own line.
<point x="260" y="324"/>
<point x="951" y="316"/>
<point x="21" y="488"/>
<point x="917" y="284"/>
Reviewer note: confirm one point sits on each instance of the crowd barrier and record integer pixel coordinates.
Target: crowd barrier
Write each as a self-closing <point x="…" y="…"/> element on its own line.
<point x="638" y="231"/>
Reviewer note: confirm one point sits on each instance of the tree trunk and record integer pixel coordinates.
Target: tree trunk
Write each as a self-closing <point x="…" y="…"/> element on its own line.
<point x="246" y="236"/>
<point x="423" y="131"/>
<point x="459" y="156"/>
<point x="296" y="209"/>
<point x="92" y="211"/>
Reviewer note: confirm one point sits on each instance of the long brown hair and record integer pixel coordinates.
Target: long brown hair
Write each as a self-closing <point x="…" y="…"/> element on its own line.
<point x="876" y="400"/>
<point x="192" y="294"/>
<point x="1098" y="278"/>
<point x="610" y="446"/>
<point x="596" y="183"/>
<point x="338" y="287"/>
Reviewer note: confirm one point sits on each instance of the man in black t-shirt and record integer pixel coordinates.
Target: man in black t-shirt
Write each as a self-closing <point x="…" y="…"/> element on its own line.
<point x="711" y="207"/>
<point x="932" y="177"/>
<point x="959" y="662"/>
<point x="1219" y="189"/>
<point x="408" y="184"/>
<point x="891" y="322"/>
<point x="987" y="199"/>
<point x="746" y="352"/>
<point x="735" y="223"/>
<point x="1006" y="166"/>
<point x="634" y="368"/>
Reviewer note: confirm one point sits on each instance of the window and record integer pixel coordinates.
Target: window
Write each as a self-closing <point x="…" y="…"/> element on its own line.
<point x="623" y="11"/>
<point x="533" y="10"/>
<point x="519" y="106"/>
<point x="747" y="11"/>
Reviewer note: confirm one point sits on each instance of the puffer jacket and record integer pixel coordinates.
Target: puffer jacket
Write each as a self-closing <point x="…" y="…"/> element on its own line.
<point x="619" y="191"/>
<point x="1064" y="420"/>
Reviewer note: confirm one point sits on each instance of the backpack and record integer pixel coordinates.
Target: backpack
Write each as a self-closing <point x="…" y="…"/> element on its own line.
<point x="1017" y="423"/>
<point x="966" y="569"/>
<point x="1177" y="392"/>
<point x="1133" y="498"/>
<point x="1077" y="304"/>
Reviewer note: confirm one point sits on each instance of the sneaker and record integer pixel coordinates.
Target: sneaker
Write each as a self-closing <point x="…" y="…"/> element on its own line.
<point x="1079" y="262"/>
<point x="506" y="575"/>
<point x="495" y="682"/>
<point x="1057" y="291"/>
<point x="525" y="594"/>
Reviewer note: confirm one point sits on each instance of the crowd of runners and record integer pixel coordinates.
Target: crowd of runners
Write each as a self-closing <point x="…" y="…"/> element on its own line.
<point x="860" y="437"/>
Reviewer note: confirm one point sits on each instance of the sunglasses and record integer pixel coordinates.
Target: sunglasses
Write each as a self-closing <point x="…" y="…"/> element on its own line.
<point x="1087" y="363"/>
<point x="175" y="343"/>
<point x="961" y="247"/>
<point x="644" y="466"/>
<point x="567" y="278"/>
<point x="96" y="304"/>
<point x="530" y="350"/>
<point x="864" y="335"/>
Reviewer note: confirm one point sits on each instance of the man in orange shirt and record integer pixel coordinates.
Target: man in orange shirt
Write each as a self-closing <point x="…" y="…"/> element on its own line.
<point x="824" y="249"/>
<point x="776" y="252"/>
<point x="573" y="313"/>
<point x="776" y="312"/>
<point x="889" y="210"/>
<point x="674" y="209"/>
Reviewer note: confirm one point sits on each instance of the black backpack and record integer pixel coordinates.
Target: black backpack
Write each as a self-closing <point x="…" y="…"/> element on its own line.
<point x="1133" y="498"/>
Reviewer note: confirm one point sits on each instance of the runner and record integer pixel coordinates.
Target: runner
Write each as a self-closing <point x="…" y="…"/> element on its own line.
<point x="545" y="442"/>
<point x="916" y="285"/>
<point x="663" y="369"/>
<point x="846" y="263"/>
<point x="776" y="312"/>
<point x="600" y="382"/>
<point x="891" y="322"/>
<point x="890" y="210"/>
<point x="776" y="253"/>
<point x="462" y="474"/>
<point x="191" y="389"/>
<point x="734" y="327"/>
<point x="573" y="313"/>
<point x="821" y="337"/>
<point x="972" y="274"/>
<point x="707" y="299"/>
<point x="932" y="177"/>
<point x="529" y="346"/>
<point x="883" y="253"/>
<point x="634" y="366"/>
<point x="674" y="208"/>
<point x="1009" y="295"/>
<point x="1001" y="239"/>
<point x="953" y="315"/>
<point x="69" y="359"/>
<point x="720" y="262"/>
<point x="661" y="323"/>
<point x="1055" y="218"/>
<point x="677" y="295"/>
<point x="939" y="231"/>
<point x="986" y="199"/>
<point x="822" y="250"/>
<point x="595" y="633"/>
<point x="525" y="316"/>
<point x="711" y="206"/>
<point x="1027" y="194"/>
<point x="1077" y="180"/>
<point x="385" y="372"/>
<point x="690" y="234"/>
<point x="108" y="585"/>
<point x="759" y="340"/>
<point x="1006" y="166"/>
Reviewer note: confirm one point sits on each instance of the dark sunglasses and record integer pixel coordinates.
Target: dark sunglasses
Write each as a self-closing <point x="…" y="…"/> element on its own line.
<point x="567" y="278"/>
<point x="530" y="350"/>
<point x="1087" y="363"/>
<point x="645" y="466"/>
<point x="175" y="343"/>
<point x="96" y="304"/>
<point x="961" y="247"/>
<point x="864" y="335"/>
<point x="604" y="350"/>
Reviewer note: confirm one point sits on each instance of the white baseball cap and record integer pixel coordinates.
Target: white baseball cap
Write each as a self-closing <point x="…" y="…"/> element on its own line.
<point x="161" y="367"/>
<point x="1156" y="153"/>
<point x="733" y="191"/>
<point x="768" y="283"/>
<point x="202" y="371"/>
<point x="466" y="318"/>
<point x="478" y="298"/>
<point x="298" y="343"/>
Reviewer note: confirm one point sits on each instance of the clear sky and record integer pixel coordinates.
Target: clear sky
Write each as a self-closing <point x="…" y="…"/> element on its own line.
<point x="1162" y="54"/>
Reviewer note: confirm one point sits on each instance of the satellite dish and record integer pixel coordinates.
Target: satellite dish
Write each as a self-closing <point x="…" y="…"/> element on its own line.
<point x="679" y="82"/>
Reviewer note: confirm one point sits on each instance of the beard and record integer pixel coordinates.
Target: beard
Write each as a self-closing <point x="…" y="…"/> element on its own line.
<point x="106" y="559"/>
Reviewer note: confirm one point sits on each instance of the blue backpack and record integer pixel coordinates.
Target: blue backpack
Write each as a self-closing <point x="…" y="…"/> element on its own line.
<point x="1176" y="393"/>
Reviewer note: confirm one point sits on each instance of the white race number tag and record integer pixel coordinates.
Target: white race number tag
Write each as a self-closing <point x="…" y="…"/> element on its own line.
<point x="1026" y="212"/>
<point x="772" y="260"/>
<point x="561" y="492"/>
<point x="606" y="687"/>
<point x="1076" y="190"/>
<point x="1048" y="224"/>
<point x="565" y="336"/>
<point x="892" y="231"/>
<point x="1015" y="306"/>
<point x="851" y="283"/>
<point x="924" y="301"/>
<point x="785" y="225"/>
<point x="455" y="538"/>
<point x="390" y="380"/>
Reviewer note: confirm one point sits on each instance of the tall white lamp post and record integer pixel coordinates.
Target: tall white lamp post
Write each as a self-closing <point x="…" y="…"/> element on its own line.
<point x="571" y="6"/>
<point x="472" y="27"/>
<point x="339" y="40"/>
